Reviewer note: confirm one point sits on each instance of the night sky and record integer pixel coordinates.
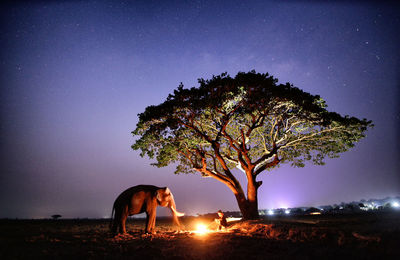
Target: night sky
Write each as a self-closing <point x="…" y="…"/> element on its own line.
<point x="75" y="74"/>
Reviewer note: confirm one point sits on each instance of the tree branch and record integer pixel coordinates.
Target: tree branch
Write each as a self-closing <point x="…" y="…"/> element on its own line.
<point x="255" y="123"/>
<point x="267" y="165"/>
<point x="310" y="136"/>
<point x="217" y="176"/>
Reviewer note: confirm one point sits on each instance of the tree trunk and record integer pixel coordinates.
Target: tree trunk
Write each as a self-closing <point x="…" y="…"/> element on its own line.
<point x="249" y="209"/>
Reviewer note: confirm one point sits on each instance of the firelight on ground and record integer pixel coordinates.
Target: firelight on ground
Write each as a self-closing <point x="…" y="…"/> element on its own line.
<point x="201" y="229"/>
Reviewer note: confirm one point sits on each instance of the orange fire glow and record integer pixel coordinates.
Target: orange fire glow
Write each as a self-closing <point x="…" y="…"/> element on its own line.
<point x="201" y="229"/>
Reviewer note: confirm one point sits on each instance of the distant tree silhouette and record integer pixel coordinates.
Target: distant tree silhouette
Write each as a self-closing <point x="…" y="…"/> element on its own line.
<point x="56" y="216"/>
<point x="387" y="205"/>
<point x="311" y="210"/>
<point x="297" y="211"/>
<point x="248" y="122"/>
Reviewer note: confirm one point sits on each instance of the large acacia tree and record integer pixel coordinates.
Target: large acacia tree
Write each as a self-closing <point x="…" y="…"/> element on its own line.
<point x="249" y="122"/>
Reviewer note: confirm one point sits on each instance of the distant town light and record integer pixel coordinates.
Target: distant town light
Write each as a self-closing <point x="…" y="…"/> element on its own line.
<point x="270" y="212"/>
<point x="287" y="211"/>
<point x="396" y="204"/>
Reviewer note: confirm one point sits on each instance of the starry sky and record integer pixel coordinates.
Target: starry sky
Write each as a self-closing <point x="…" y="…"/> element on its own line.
<point x="75" y="74"/>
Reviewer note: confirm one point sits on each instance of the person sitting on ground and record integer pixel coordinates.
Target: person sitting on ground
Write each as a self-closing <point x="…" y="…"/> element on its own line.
<point x="221" y="220"/>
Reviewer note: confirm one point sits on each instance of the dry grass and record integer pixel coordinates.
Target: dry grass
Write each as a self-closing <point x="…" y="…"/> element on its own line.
<point x="367" y="236"/>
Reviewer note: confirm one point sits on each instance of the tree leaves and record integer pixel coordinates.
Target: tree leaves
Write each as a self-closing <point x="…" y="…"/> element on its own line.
<point x="250" y="122"/>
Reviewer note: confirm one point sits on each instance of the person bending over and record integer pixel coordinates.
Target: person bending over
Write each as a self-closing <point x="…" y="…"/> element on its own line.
<point x="221" y="220"/>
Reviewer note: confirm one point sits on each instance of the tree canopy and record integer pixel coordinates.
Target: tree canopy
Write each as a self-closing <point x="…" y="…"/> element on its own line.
<point x="248" y="122"/>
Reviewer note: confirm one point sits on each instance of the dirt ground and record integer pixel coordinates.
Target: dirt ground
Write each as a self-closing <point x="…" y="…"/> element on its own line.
<point x="357" y="236"/>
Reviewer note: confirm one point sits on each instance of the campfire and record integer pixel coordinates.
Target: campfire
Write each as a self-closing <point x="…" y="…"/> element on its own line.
<point x="201" y="229"/>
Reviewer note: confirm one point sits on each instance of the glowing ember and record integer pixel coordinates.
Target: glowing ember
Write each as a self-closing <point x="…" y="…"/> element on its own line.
<point x="201" y="229"/>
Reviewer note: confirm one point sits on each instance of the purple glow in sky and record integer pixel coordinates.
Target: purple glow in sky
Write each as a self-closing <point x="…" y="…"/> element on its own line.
<point x="75" y="74"/>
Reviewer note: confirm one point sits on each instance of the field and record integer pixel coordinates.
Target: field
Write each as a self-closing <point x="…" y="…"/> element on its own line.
<point x="356" y="236"/>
